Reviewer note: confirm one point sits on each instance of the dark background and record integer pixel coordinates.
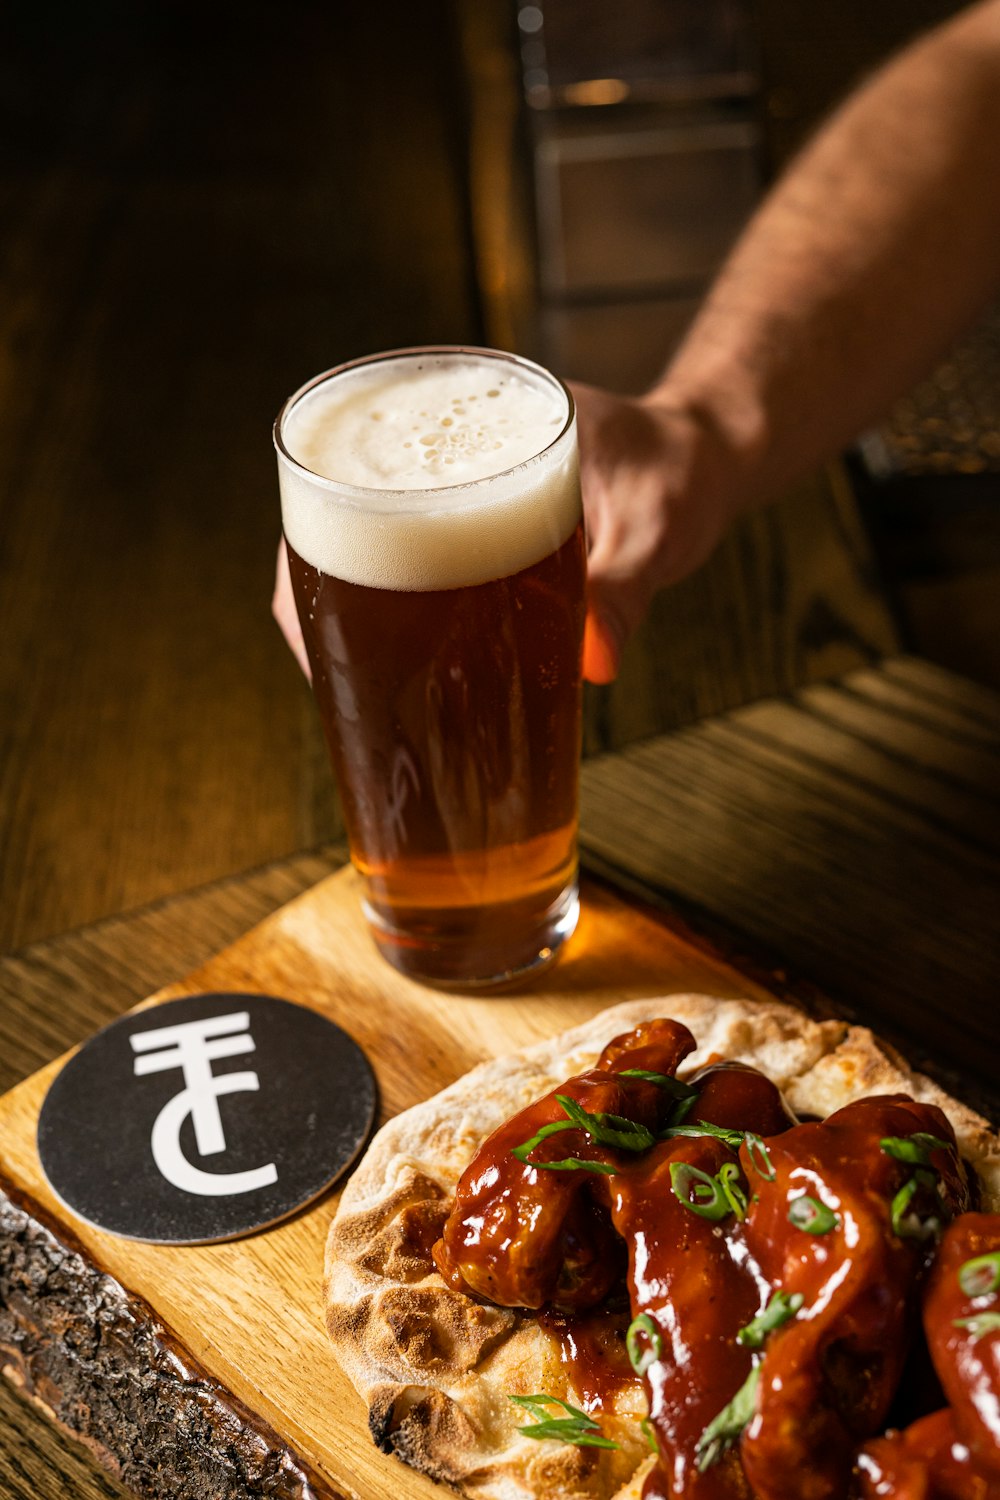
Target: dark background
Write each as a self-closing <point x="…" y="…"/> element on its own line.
<point x="202" y="205"/>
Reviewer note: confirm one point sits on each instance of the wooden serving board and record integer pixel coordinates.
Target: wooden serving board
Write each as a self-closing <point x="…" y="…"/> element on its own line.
<point x="206" y="1371"/>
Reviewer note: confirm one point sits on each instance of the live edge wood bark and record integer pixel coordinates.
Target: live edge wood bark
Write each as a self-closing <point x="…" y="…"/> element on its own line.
<point x="106" y="1369"/>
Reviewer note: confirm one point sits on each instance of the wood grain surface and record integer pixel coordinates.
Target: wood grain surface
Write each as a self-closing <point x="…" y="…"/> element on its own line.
<point x="199" y="213"/>
<point x="230" y="1336"/>
<point x="847" y="836"/>
<point x="55" y="994"/>
<point x="58" y="992"/>
<point x="851" y="832"/>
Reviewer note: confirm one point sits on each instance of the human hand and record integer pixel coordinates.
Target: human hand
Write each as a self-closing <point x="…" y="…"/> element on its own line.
<point x="655" y="501"/>
<point x="284" y="611"/>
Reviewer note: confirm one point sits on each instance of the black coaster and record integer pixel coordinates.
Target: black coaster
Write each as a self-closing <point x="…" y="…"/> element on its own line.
<point x="205" y="1118"/>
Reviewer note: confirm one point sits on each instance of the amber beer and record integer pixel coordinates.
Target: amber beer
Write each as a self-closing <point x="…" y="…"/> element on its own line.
<point x="431" y="510"/>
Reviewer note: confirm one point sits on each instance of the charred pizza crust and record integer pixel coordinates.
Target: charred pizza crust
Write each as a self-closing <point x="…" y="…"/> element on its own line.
<point x="436" y="1367"/>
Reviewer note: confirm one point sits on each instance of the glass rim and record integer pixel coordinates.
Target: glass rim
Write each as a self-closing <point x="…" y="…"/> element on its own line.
<point x="351" y="491"/>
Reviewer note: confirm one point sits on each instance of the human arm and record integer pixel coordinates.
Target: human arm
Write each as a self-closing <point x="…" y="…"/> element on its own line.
<point x="865" y="261"/>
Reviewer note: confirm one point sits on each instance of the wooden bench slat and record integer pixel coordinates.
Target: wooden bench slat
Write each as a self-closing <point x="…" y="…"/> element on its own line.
<point x="832" y="734"/>
<point x="862" y="850"/>
<point x="947" y="691"/>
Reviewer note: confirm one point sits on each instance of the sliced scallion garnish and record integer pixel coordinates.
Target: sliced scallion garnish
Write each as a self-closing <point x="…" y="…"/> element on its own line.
<point x="672" y="1086"/>
<point x="574" y="1164"/>
<point x="915" y="1148"/>
<point x="732" y="1138"/>
<point x="907" y="1225"/>
<point x="697" y="1190"/>
<point x="781" y="1308"/>
<point x="603" y="1129"/>
<point x="980" y="1324"/>
<point x="759" y="1157"/>
<point x="643" y="1343"/>
<point x="682" y="1109"/>
<point x="811" y="1215"/>
<point x="608" y="1130"/>
<point x="981" y="1275"/>
<point x="578" y="1428"/>
<point x="567" y="1163"/>
<point x="724" y="1429"/>
<point x="729" y="1179"/>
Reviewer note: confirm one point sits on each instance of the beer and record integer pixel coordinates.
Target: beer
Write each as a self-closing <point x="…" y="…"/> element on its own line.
<point x="432" y="518"/>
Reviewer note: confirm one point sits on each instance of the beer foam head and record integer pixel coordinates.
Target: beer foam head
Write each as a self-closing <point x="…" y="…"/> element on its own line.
<point x="429" y="469"/>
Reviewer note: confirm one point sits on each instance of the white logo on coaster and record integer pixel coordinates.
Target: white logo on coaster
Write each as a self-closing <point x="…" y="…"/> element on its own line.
<point x="205" y="1117"/>
<point x="193" y="1047"/>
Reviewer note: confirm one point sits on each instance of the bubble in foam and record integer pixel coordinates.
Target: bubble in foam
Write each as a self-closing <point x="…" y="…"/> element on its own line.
<point x="401" y="536"/>
<point x="358" y="429"/>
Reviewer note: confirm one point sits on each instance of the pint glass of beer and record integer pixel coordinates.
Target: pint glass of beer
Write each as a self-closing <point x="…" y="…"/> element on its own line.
<point x="431" y="510"/>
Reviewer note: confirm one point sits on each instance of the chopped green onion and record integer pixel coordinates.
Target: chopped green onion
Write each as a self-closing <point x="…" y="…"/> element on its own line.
<point x="900" y="1204"/>
<point x="574" y="1164"/>
<point x="914" y="1148"/>
<point x="683" y="1094"/>
<point x="811" y="1215"/>
<point x="682" y="1109"/>
<point x="649" y="1434"/>
<point x="981" y="1275"/>
<point x="980" y="1324"/>
<point x="764" y="1167"/>
<point x="905" y="1224"/>
<point x="672" y="1086"/>
<point x="577" y="1428"/>
<point x="724" y="1429"/>
<point x="521" y="1152"/>
<point x="778" y="1311"/>
<point x="641" y="1358"/>
<point x="702" y="1194"/>
<point x="608" y="1130"/>
<point x="729" y="1174"/>
<point x="733" y="1138"/>
<point x="568" y="1163"/>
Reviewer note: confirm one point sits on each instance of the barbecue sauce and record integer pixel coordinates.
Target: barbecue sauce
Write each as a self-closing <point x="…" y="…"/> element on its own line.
<point x="928" y="1461"/>
<point x="777" y="1268"/>
<point x="963" y="1332"/>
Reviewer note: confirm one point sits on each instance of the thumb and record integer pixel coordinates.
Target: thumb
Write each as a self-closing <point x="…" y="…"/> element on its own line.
<point x="613" y="613"/>
<point x="601" y="650"/>
<point x="284" y="611"/>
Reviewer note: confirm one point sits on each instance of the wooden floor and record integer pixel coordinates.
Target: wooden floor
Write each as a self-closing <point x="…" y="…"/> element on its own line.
<point x="851" y="831"/>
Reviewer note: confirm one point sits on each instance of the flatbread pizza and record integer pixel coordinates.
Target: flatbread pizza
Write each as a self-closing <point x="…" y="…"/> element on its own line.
<point x="493" y="1291"/>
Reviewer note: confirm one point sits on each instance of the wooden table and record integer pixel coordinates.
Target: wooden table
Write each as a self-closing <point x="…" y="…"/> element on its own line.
<point x="846" y="837"/>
